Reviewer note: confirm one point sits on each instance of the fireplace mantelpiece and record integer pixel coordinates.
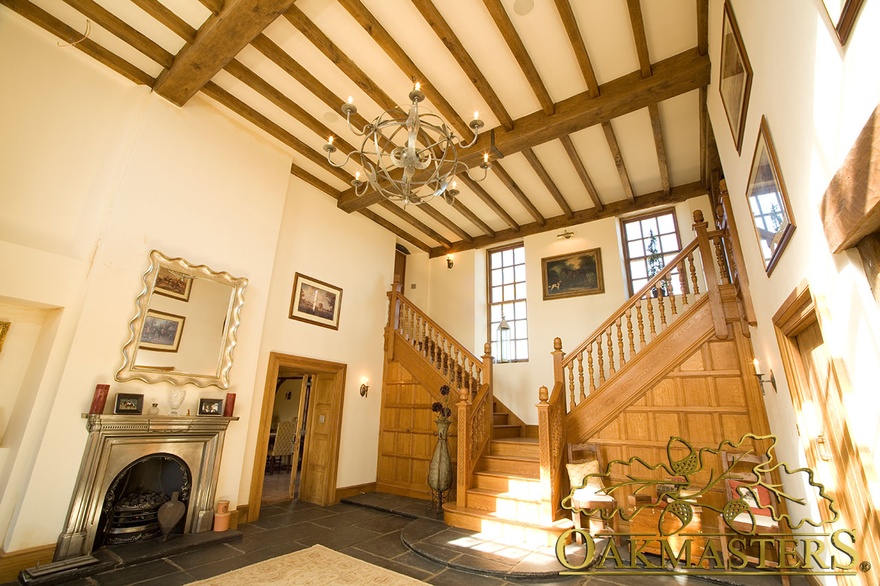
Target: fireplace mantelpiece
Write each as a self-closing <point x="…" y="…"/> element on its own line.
<point x="115" y="441"/>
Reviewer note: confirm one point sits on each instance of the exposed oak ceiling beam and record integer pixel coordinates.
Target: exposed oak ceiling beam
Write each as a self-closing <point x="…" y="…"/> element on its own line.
<point x="654" y="113"/>
<point x="578" y="46"/>
<point x="581" y="170"/>
<point x="617" y="208"/>
<point x="488" y="200"/>
<point x="641" y="40"/>
<point x="545" y="178"/>
<point x="518" y="193"/>
<point x="618" y="160"/>
<point x="162" y="14"/>
<point x="219" y="39"/>
<point x="671" y="77"/>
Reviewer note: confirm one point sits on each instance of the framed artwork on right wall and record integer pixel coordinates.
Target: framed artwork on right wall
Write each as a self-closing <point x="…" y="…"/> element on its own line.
<point x="735" y="82"/>
<point x="768" y="200"/>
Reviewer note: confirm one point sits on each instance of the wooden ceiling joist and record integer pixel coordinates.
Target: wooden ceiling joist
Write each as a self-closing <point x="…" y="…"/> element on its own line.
<point x="46" y="21"/>
<point x="578" y="164"/>
<point x="671" y="77"/>
<point x="214" y="91"/>
<point x="639" y="36"/>
<point x="656" y="128"/>
<point x="545" y="178"/>
<point x="278" y="98"/>
<point x="122" y="30"/>
<point x="473" y="218"/>
<point x="703" y="26"/>
<point x="438" y="217"/>
<point x="617" y="208"/>
<point x="618" y="160"/>
<point x="514" y="42"/>
<point x="346" y="65"/>
<point x="489" y="201"/>
<point x="297" y="171"/>
<point x="447" y="36"/>
<point x="577" y="44"/>
<point x="219" y="39"/>
<point x="165" y="16"/>
<point x="415" y="222"/>
<point x="215" y="6"/>
<point x="518" y="193"/>
<point x="394" y="51"/>
<point x="396" y="231"/>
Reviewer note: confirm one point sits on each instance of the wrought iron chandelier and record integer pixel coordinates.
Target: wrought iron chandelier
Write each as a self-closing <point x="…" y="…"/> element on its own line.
<point x="422" y="168"/>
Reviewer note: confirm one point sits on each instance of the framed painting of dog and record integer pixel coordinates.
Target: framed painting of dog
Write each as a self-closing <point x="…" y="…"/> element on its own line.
<point x="573" y="274"/>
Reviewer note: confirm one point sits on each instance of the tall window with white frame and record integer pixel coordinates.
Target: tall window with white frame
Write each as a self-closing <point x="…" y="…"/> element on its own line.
<point x="651" y="241"/>
<point x="508" y="327"/>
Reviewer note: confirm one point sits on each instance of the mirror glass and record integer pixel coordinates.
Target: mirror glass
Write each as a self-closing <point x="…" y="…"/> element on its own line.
<point x="185" y="324"/>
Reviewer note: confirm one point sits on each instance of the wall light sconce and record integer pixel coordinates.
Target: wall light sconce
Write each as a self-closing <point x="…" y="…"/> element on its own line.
<point x="567" y="234"/>
<point x="365" y="386"/>
<point x="449" y="262"/>
<point x="761" y="379"/>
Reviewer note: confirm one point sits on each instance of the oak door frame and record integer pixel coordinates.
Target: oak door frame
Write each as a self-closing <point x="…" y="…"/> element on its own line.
<point x="311" y="366"/>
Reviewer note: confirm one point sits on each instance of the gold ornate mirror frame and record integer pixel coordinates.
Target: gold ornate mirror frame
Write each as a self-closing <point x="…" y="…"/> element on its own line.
<point x="191" y="278"/>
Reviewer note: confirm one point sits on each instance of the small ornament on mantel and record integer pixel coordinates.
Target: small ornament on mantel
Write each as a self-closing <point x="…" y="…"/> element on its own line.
<point x="187" y="413"/>
<point x="99" y="399"/>
<point x="154" y="410"/>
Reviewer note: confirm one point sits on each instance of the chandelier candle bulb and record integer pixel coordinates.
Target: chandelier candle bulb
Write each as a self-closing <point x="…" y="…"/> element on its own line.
<point x="476" y="115"/>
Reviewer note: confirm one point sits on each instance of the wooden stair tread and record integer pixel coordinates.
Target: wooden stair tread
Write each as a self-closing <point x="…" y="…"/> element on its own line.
<point x="535" y="476"/>
<point x="502" y="494"/>
<point x="560" y="525"/>
<point x="530" y="460"/>
<point x="517" y="440"/>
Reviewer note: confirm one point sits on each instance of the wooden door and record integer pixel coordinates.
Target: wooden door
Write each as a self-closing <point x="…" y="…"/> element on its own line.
<point x="301" y="422"/>
<point x="819" y="389"/>
<point x="318" y="453"/>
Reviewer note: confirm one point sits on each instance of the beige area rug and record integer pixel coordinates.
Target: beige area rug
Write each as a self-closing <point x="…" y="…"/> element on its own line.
<point x="315" y="566"/>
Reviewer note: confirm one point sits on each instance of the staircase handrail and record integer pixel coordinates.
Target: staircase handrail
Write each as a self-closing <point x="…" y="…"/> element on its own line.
<point x="474" y="434"/>
<point x="710" y="265"/>
<point x="551" y="442"/>
<point x="461" y="367"/>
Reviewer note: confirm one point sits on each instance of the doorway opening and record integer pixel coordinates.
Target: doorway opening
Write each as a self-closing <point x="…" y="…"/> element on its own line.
<point x="304" y="454"/>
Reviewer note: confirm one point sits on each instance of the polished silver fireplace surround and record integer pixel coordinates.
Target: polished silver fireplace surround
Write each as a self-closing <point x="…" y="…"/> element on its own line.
<point x="115" y="441"/>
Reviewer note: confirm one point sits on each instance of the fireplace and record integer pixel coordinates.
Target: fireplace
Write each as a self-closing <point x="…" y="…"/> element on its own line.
<point x="128" y="456"/>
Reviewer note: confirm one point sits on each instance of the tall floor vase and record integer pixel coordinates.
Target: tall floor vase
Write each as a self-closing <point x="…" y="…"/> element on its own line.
<point x="440" y="468"/>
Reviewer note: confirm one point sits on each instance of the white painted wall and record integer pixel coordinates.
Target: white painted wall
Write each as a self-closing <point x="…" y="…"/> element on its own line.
<point x="816" y="97"/>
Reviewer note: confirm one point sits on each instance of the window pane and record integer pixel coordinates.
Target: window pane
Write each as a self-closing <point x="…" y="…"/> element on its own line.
<point x="519" y="255"/>
<point x="496" y="295"/>
<point x="633" y="230"/>
<point x="638" y="284"/>
<point x="508" y="293"/>
<point x="495" y="313"/>
<point x="507" y="257"/>
<point x="494" y="348"/>
<point x="496" y="277"/>
<point x="636" y="248"/>
<point x="669" y="243"/>
<point x="519" y="273"/>
<point x="507" y="275"/>
<point x="519" y="311"/>
<point x="668" y="258"/>
<point x="496" y="260"/>
<point x="666" y="224"/>
<point x="648" y="226"/>
<point x="522" y="329"/>
<point x="507" y="310"/>
<point x="520" y="290"/>
<point x="638" y="269"/>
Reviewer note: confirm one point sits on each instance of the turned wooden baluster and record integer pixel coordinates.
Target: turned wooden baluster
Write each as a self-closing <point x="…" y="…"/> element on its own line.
<point x="651" y="325"/>
<point x="457" y="368"/>
<point x="694" y="281"/>
<point x="672" y="300"/>
<point x="630" y="333"/>
<point x="590" y="367"/>
<point x="682" y="281"/>
<point x="571" y="385"/>
<point x="641" y="324"/>
<point x="610" y="342"/>
<point x="601" y="362"/>
<point x="580" y="360"/>
<point x="719" y="258"/>
<point x="445" y="357"/>
<point x="661" y="306"/>
<point x="621" y="354"/>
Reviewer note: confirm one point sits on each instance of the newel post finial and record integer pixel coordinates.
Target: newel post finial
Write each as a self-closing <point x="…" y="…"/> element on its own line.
<point x="558" y="355"/>
<point x="487" y="364"/>
<point x="698" y="217"/>
<point x="544" y="394"/>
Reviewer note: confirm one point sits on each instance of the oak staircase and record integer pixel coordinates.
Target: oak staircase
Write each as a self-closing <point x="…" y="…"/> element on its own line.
<point x="512" y="485"/>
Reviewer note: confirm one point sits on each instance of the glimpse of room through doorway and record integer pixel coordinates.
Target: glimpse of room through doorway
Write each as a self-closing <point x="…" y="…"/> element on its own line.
<point x="287" y="436"/>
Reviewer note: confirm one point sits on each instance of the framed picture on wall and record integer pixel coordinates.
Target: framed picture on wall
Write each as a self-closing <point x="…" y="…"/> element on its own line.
<point x="315" y="302"/>
<point x="173" y="284"/>
<point x="4" y="329"/>
<point x="768" y="200"/>
<point x="573" y="274"/>
<point x="735" y="81"/>
<point x="162" y="331"/>
<point x="843" y="15"/>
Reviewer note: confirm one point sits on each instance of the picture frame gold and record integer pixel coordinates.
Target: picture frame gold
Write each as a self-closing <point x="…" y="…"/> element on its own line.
<point x="842" y="14"/>
<point x="315" y="302"/>
<point x="735" y="76"/>
<point x="573" y="274"/>
<point x="162" y="331"/>
<point x="768" y="200"/>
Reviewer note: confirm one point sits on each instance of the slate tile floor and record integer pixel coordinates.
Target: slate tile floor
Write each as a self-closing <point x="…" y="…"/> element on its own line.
<point x="369" y="534"/>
